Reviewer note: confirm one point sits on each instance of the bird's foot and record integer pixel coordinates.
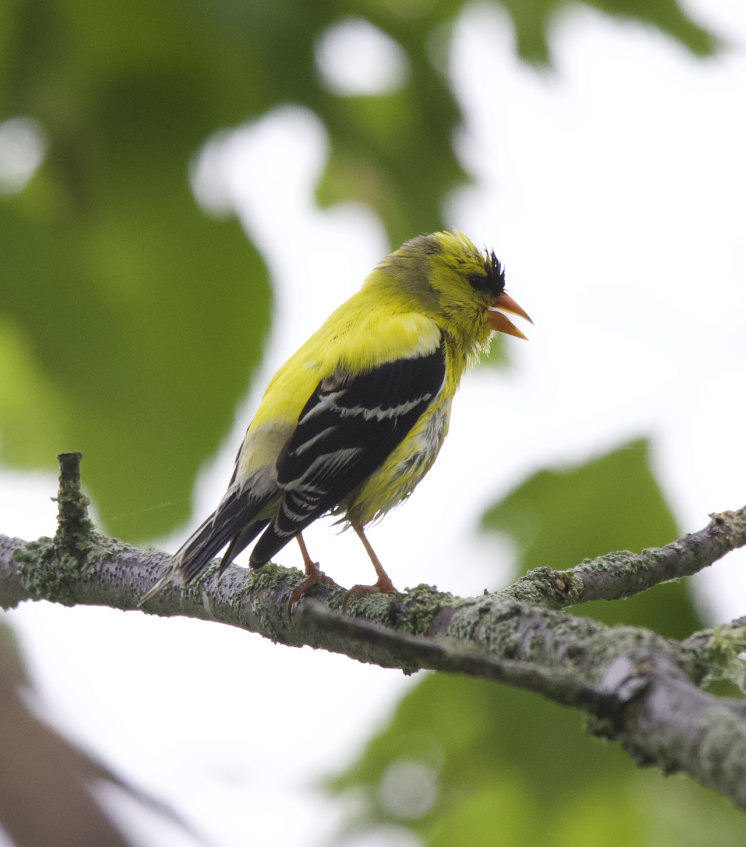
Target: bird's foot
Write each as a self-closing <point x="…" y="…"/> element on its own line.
<point x="314" y="576"/>
<point x="383" y="586"/>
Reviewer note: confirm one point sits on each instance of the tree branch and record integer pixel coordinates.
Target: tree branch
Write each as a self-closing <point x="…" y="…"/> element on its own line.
<point x="639" y="688"/>
<point x="624" y="574"/>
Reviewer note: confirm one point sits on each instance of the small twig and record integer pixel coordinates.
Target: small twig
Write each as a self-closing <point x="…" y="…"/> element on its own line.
<point x="615" y="576"/>
<point x="74" y="526"/>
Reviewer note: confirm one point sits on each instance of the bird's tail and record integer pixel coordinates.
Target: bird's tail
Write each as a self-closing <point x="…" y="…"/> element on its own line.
<point x="230" y="522"/>
<point x="192" y="557"/>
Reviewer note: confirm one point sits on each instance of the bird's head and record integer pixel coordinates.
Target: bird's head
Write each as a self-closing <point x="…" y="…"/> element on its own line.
<point x="462" y="289"/>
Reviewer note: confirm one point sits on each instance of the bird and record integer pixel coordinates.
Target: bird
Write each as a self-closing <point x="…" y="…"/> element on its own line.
<point x="352" y="422"/>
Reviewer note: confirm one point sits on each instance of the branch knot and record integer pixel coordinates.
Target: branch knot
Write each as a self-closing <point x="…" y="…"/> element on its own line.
<point x="50" y="567"/>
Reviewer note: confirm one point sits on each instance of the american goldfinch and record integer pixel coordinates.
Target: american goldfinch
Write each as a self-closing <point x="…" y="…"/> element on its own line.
<point x="352" y="422"/>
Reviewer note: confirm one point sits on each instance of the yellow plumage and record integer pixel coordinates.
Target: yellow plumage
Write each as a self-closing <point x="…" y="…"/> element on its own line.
<point x="355" y="418"/>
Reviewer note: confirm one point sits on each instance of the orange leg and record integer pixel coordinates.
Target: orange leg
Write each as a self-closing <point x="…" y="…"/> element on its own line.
<point x="382" y="586"/>
<point x="314" y="575"/>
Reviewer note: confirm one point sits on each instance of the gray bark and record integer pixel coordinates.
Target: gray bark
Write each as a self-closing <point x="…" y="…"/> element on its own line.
<point x="637" y="687"/>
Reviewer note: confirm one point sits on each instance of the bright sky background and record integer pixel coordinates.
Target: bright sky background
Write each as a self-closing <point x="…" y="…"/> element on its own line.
<point x="613" y="190"/>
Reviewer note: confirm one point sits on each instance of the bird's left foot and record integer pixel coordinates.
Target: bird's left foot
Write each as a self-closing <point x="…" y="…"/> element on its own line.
<point x="383" y="586"/>
<point x="314" y="576"/>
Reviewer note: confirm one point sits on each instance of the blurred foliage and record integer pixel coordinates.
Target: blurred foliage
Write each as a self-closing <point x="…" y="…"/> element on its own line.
<point x="46" y="782"/>
<point x="560" y="517"/>
<point x="468" y="762"/>
<point x="533" y="18"/>
<point x="130" y="323"/>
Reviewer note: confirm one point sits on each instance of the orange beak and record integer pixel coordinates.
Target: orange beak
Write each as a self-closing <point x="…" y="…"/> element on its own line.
<point x="498" y="320"/>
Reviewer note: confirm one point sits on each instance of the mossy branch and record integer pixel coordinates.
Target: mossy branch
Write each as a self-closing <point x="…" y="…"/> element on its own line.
<point x="615" y="576"/>
<point x="637" y="687"/>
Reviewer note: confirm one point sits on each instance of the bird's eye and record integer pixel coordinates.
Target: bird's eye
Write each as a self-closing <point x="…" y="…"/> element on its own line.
<point x="479" y="282"/>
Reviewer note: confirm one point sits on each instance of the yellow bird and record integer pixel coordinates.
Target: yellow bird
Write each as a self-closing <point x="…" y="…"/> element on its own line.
<point x="355" y="418"/>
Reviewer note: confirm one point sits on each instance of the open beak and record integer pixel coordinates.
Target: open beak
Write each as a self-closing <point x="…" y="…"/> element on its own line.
<point x="500" y="322"/>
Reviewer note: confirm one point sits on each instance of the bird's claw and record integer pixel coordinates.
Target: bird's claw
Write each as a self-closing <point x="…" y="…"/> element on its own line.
<point x="383" y="586"/>
<point x="315" y="576"/>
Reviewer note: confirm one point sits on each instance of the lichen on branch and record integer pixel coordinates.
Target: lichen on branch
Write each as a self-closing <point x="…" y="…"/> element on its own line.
<point x="636" y="686"/>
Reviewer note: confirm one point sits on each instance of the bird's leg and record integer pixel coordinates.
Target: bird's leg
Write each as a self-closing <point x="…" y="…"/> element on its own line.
<point x="314" y="575"/>
<point x="384" y="584"/>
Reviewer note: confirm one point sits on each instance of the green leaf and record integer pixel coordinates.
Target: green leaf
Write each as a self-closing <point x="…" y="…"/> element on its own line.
<point x="145" y="331"/>
<point x="516" y="770"/>
<point x="559" y="518"/>
<point x="533" y="20"/>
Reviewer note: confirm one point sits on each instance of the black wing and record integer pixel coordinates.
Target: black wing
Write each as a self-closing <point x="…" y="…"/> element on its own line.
<point x="345" y="431"/>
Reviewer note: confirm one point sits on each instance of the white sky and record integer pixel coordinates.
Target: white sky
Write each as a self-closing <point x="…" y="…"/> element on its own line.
<point x="613" y="190"/>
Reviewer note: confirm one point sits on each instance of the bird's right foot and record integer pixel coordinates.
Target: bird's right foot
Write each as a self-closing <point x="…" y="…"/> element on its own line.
<point x="383" y="586"/>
